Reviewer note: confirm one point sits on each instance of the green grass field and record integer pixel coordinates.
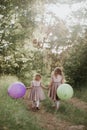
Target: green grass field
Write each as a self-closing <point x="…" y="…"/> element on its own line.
<point x="82" y="93"/>
<point x="14" y="114"/>
<point x="67" y="112"/>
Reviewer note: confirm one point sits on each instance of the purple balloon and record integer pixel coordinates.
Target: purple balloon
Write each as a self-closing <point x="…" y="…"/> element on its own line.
<point x="17" y="90"/>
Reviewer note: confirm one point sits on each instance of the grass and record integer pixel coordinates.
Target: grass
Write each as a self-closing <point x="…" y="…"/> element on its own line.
<point x="81" y="93"/>
<point x="67" y="112"/>
<point x="73" y="114"/>
<point x="15" y="116"/>
<point x="13" y="112"/>
<point x="46" y="80"/>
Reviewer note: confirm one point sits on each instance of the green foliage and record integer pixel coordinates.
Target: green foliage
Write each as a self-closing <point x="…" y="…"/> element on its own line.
<point x="82" y="92"/>
<point x="75" y="65"/>
<point x="67" y="112"/>
<point x="73" y="114"/>
<point x="13" y="113"/>
<point x="21" y="21"/>
<point x="6" y="80"/>
<point x="16" y="24"/>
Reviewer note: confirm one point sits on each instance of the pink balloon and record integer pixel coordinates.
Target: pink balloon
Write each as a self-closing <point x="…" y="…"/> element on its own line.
<point x="17" y="90"/>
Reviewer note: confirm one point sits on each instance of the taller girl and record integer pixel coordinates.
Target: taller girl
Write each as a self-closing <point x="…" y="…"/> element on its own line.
<point x="57" y="78"/>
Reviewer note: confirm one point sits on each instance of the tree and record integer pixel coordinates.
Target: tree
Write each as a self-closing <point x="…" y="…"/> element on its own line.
<point x="75" y="65"/>
<point x="31" y="35"/>
<point x="16" y="25"/>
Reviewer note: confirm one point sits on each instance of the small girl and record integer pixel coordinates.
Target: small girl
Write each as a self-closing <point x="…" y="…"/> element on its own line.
<point x="36" y="94"/>
<point x="56" y="79"/>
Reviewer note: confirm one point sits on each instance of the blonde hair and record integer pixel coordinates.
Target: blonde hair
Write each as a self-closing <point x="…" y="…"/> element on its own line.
<point x="37" y="75"/>
<point x="58" y="70"/>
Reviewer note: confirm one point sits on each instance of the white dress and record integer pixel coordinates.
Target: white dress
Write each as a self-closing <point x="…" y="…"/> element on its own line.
<point x="37" y="92"/>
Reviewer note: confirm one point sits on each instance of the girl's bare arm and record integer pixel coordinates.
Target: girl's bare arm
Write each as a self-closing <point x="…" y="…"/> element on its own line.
<point x="44" y="86"/>
<point x="29" y="87"/>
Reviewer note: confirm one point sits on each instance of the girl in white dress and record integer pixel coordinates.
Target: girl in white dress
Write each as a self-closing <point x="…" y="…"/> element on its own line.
<point x="57" y="78"/>
<point x="37" y="93"/>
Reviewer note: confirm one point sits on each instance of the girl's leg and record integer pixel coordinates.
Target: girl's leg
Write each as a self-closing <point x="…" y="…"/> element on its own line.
<point x="33" y="104"/>
<point x="54" y="104"/>
<point x="57" y="104"/>
<point x="37" y="104"/>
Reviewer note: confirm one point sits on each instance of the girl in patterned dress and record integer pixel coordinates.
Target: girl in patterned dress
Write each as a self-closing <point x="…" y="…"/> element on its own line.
<point x="37" y="93"/>
<point x="57" y="79"/>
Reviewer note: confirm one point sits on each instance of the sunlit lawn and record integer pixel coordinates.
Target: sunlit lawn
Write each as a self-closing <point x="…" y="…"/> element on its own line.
<point x="13" y="112"/>
<point x="67" y="112"/>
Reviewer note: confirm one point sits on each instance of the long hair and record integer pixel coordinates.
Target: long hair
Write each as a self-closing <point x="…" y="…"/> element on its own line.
<point x="57" y="71"/>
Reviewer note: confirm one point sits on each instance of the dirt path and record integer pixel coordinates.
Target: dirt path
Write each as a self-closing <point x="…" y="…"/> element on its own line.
<point x="78" y="103"/>
<point x="51" y="122"/>
<point x="47" y="120"/>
